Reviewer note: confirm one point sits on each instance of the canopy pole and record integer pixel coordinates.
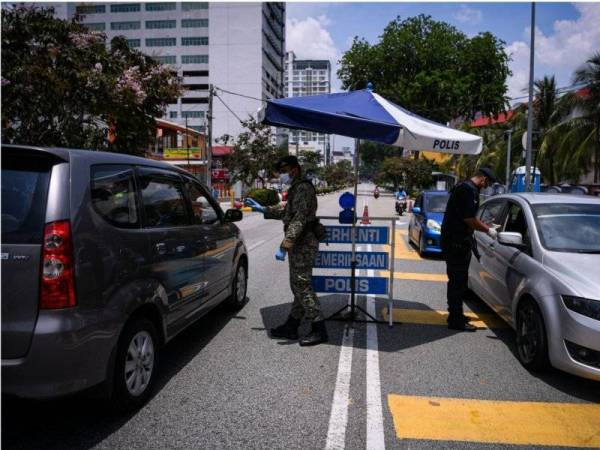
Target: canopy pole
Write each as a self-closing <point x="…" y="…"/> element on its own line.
<point x="353" y="263"/>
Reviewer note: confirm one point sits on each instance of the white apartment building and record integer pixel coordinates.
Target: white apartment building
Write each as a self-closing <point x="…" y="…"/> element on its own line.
<point x="237" y="47"/>
<point x="345" y="154"/>
<point x="307" y="77"/>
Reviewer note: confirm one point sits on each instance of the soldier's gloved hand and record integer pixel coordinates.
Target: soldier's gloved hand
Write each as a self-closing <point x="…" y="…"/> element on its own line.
<point x="493" y="233"/>
<point x="286" y="244"/>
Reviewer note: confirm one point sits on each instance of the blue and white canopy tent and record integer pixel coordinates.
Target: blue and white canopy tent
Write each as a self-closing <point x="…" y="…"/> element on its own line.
<point x="366" y="115"/>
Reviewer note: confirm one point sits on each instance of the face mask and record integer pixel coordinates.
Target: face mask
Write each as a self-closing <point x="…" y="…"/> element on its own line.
<point x="284" y="178"/>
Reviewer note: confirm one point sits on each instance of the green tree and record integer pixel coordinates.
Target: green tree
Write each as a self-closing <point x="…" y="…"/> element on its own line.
<point x="579" y="137"/>
<point x="339" y="174"/>
<point x="407" y="172"/>
<point x="431" y="68"/>
<point x="310" y="161"/>
<point x="62" y="86"/>
<point x="372" y="155"/>
<point x="254" y="156"/>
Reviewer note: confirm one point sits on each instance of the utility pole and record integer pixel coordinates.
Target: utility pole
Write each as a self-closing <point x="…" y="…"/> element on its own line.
<point x="530" y="105"/>
<point x="208" y="145"/>
<point x="508" y="158"/>
<point x="187" y="141"/>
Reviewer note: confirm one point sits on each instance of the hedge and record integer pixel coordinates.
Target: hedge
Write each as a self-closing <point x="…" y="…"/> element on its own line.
<point x="266" y="197"/>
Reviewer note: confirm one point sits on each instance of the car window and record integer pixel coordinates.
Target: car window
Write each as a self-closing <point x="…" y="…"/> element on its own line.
<point x="436" y="203"/>
<point x="24" y="193"/>
<point x="516" y="222"/>
<point x="492" y="213"/>
<point x="569" y="227"/>
<point x="114" y="196"/>
<point x="203" y="211"/>
<point x="163" y="199"/>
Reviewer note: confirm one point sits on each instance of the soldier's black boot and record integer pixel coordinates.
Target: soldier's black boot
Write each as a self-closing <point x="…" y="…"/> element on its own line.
<point x="288" y="330"/>
<point x="317" y="335"/>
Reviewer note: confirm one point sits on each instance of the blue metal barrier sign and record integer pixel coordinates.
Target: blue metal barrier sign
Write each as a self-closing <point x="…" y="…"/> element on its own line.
<point x="337" y="234"/>
<point x="343" y="285"/>
<point x="343" y="260"/>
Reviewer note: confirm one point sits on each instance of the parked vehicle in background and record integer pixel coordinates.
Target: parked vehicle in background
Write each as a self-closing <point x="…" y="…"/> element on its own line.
<point x="541" y="276"/>
<point x="425" y="226"/>
<point x="105" y="258"/>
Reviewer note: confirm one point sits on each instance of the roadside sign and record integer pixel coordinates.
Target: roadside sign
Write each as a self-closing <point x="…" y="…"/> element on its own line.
<point x="343" y="285"/>
<point x="343" y="260"/>
<point x="338" y="234"/>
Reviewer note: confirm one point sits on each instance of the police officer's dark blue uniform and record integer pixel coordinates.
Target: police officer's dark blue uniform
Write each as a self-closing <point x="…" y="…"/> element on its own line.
<point x="457" y="237"/>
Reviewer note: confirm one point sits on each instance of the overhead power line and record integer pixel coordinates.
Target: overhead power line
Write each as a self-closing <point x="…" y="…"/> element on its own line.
<point x="228" y="108"/>
<point x="239" y="95"/>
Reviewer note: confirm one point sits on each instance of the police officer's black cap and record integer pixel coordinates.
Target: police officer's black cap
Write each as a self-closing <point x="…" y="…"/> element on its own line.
<point x="487" y="172"/>
<point x="289" y="160"/>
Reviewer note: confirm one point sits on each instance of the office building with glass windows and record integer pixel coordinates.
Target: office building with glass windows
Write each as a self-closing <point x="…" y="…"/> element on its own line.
<point x="307" y="77"/>
<point x="236" y="47"/>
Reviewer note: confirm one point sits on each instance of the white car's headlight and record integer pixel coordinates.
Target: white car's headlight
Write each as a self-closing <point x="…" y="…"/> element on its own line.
<point x="434" y="225"/>
<point x="584" y="306"/>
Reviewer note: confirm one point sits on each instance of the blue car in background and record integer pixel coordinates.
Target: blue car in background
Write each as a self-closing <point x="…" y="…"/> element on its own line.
<point x="425" y="224"/>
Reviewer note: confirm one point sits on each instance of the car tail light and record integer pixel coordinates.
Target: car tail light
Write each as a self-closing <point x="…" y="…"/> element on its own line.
<point x="58" y="284"/>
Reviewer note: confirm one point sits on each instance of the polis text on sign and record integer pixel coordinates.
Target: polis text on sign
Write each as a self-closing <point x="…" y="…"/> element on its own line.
<point x="343" y="285"/>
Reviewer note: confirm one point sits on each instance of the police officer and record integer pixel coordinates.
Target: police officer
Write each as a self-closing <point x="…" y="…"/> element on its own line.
<point x="299" y="217"/>
<point x="457" y="242"/>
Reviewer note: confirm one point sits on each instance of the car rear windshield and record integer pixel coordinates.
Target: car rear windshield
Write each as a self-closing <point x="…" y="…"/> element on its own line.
<point x="571" y="228"/>
<point x="25" y="182"/>
<point x="436" y="203"/>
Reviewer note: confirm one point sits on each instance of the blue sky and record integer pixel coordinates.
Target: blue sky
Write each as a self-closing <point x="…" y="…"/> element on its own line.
<point x="567" y="33"/>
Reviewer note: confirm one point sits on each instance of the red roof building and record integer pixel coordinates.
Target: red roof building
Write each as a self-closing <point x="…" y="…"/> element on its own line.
<point x="485" y="121"/>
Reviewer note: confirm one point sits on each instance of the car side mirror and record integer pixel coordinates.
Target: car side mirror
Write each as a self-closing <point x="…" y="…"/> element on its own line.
<point x="511" y="239"/>
<point x="416" y="210"/>
<point x="233" y="215"/>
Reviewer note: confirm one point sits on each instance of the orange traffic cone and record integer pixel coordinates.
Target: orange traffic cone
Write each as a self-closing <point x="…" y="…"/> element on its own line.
<point x="365" y="220"/>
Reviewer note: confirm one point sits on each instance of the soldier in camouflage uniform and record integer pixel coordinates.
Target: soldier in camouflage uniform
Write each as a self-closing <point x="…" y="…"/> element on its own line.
<point x="299" y="216"/>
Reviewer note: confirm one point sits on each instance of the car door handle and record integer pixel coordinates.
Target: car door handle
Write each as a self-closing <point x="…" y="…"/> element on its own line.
<point x="161" y="248"/>
<point x="180" y="248"/>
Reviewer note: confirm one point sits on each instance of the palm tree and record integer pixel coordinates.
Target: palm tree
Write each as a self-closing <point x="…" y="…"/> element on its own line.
<point x="493" y="154"/>
<point x="549" y="112"/>
<point x="579" y="140"/>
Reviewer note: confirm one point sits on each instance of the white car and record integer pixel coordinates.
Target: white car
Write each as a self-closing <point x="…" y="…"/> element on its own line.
<point x="542" y="275"/>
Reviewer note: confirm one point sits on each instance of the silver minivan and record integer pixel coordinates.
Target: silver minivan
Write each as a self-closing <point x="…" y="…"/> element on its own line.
<point x="542" y="275"/>
<point x="105" y="258"/>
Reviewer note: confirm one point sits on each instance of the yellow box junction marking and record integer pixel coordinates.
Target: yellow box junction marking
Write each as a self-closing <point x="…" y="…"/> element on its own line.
<point x="415" y="276"/>
<point x="505" y="422"/>
<point x="402" y="249"/>
<point x="434" y="317"/>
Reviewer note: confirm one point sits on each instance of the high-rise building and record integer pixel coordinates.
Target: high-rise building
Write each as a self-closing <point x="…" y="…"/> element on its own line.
<point x="236" y="47"/>
<point x="307" y="77"/>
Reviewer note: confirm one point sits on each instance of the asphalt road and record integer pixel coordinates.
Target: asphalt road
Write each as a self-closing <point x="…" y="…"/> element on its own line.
<point x="225" y="384"/>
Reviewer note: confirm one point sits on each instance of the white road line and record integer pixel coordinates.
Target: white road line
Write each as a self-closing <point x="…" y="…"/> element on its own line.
<point x="253" y="246"/>
<point x="375" y="432"/>
<point x="338" y="420"/>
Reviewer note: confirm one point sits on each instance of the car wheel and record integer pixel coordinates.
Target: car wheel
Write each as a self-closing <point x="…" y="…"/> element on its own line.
<point x="532" y="342"/>
<point x="239" y="288"/>
<point x="420" y="247"/>
<point x="136" y="364"/>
